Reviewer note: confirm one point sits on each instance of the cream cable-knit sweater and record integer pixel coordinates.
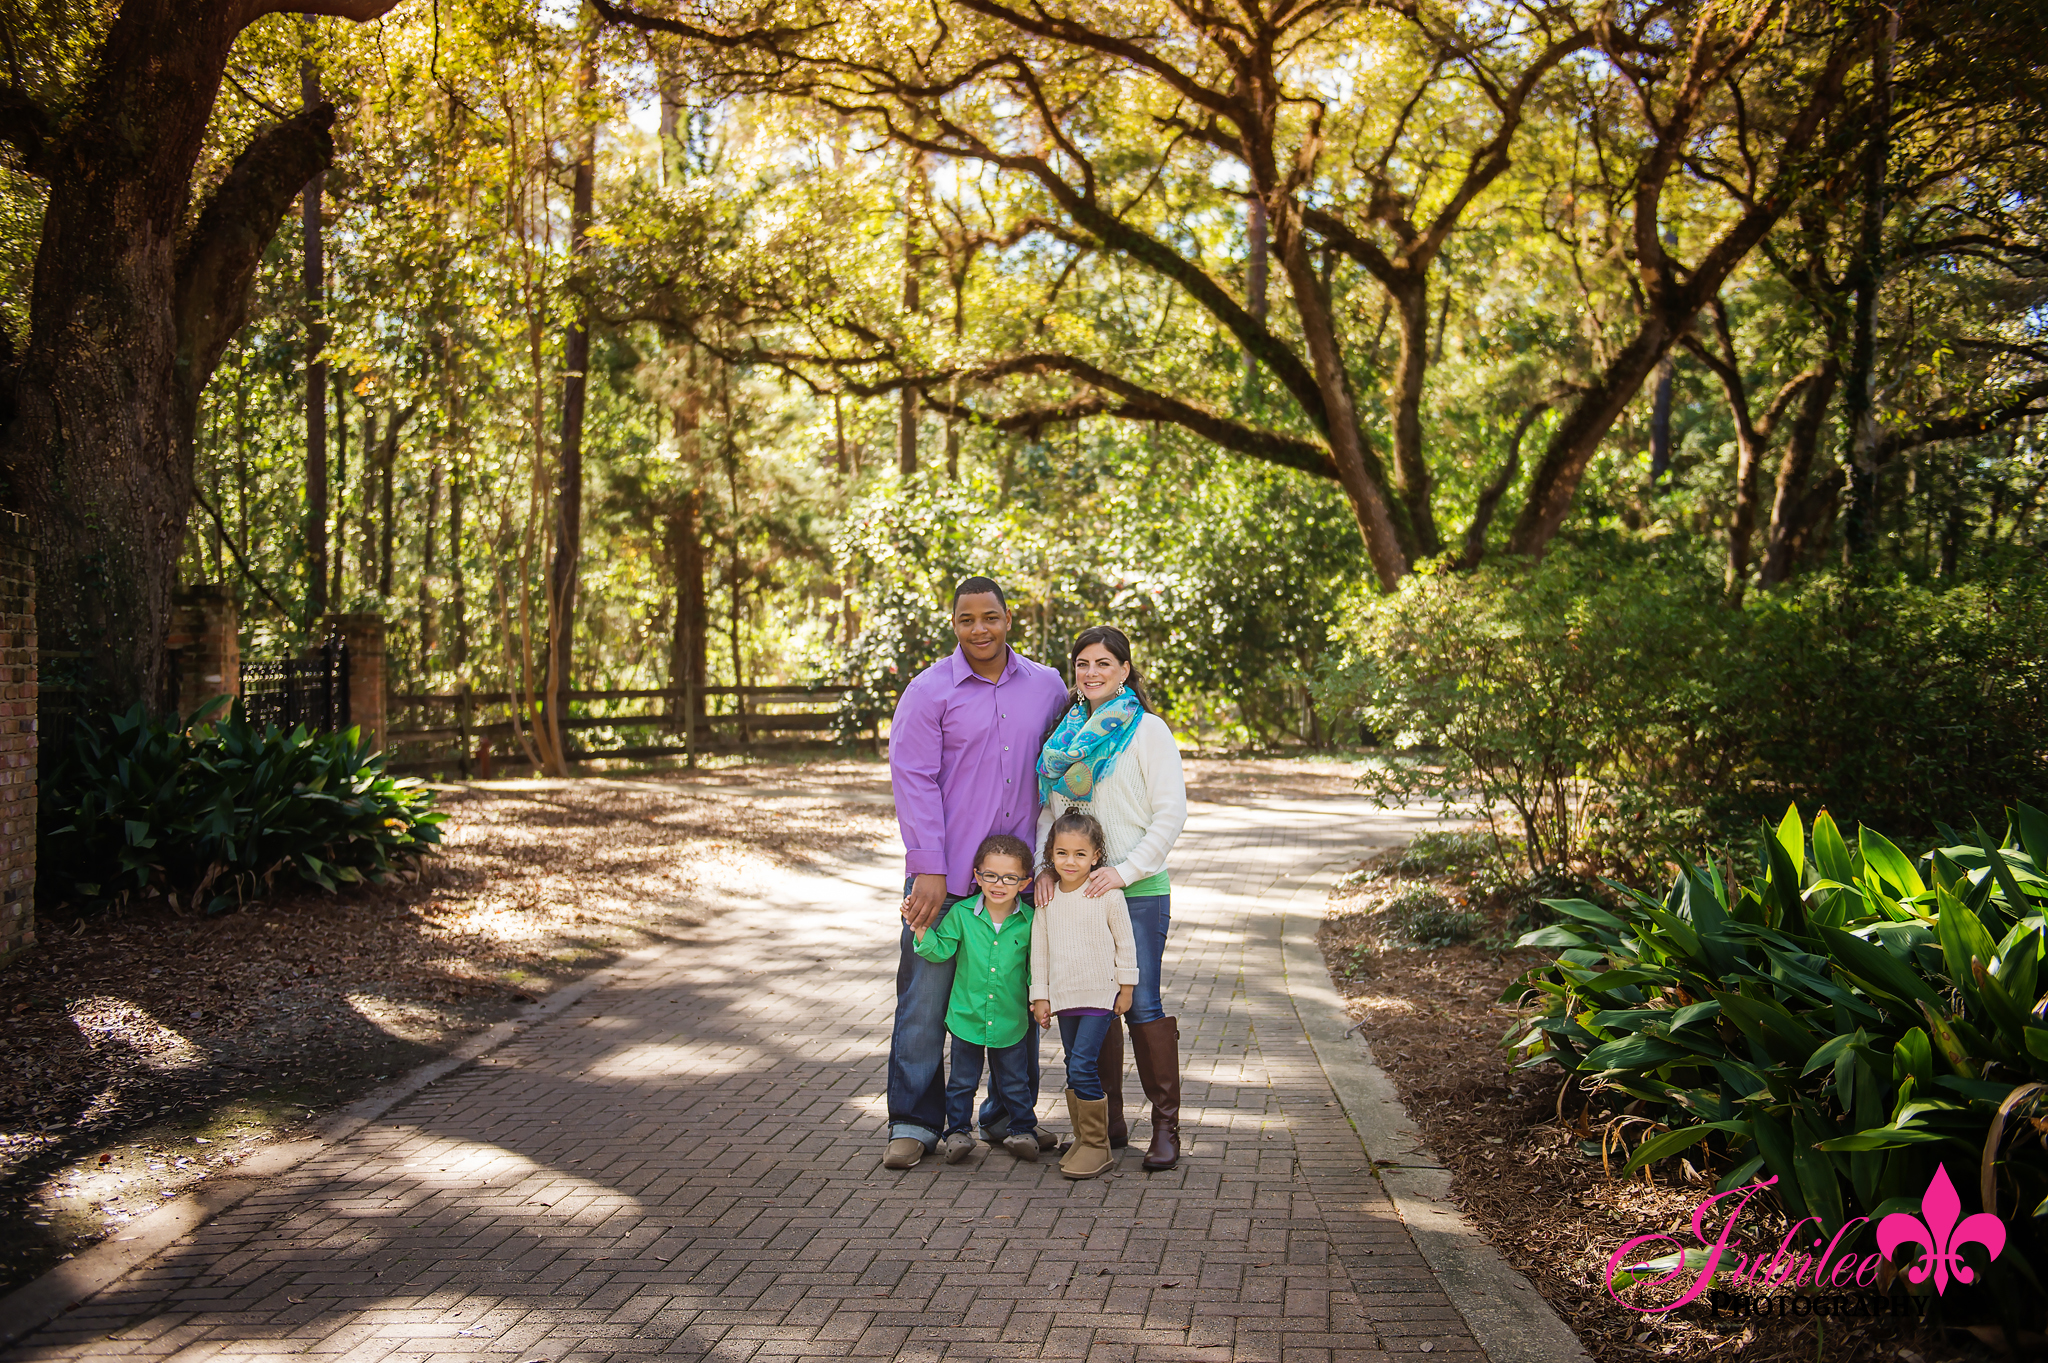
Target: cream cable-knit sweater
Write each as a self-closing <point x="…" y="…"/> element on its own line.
<point x="1142" y="803"/>
<point x="1081" y="950"/>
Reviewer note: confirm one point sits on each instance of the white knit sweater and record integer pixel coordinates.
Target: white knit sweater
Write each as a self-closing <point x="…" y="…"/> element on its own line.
<point x="1081" y="950"/>
<point x="1142" y="803"/>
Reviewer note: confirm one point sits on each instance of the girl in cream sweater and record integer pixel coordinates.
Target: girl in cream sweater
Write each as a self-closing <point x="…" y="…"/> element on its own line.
<point x="1084" y="967"/>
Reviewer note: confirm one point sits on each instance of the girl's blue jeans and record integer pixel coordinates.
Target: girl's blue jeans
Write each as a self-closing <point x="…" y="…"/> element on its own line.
<point x="1083" y="1038"/>
<point x="1151" y="915"/>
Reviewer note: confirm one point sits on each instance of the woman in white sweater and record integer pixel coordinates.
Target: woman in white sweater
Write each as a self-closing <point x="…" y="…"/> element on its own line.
<point x="1113" y="757"/>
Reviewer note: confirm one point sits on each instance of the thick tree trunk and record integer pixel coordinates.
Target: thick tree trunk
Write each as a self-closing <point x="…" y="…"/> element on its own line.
<point x="906" y="409"/>
<point x="1256" y="268"/>
<point x="336" y="591"/>
<point x="1859" y="419"/>
<point x="242" y="463"/>
<point x="132" y="303"/>
<point x="575" y="390"/>
<point x="686" y="643"/>
<point x="1797" y="508"/>
<point x="1387" y="540"/>
<point x="372" y="476"/>
<point x="1660" y="420"/>
<point x="427" y="631"/>
<point x="458" y="597"/>
<point x="1411" y="468"/>
<point x="387" y="463"/>
<point x="1578" y="436"/>
<point x="314" y="278"/>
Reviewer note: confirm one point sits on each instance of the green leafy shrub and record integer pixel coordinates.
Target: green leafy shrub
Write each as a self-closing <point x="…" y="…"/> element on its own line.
<point x="904" y="633"/>
<point x="214" y="814"/>
<point x="1427" y="918"/>
<point x="1610" y="704"/>
<point x="1435" y="853"/>
<point x="1843" y="1021"/>
<point x="1443" y="927"/>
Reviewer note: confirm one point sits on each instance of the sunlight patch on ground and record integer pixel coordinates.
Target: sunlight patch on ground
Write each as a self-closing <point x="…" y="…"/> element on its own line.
<point x="1383" y="1005"/>
<point x="674" y="1062"/>
<point x="399" y="1017"/>
<point x="109" y="1021"/>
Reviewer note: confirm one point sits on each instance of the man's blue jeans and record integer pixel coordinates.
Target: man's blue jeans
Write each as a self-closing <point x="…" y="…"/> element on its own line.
<point x="917" y="1047"/>
<point x="1010" y="1085"/>
<point x="1151" y="916"/>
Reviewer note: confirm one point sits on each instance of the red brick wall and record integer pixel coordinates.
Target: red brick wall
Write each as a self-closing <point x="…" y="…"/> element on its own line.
<point x="17" y="738"/>
<point x="205" y="652"/>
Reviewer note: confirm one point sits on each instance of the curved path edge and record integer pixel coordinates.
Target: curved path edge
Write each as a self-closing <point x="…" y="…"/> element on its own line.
<point x="77" y="1280"/>
<point x="1507" y="1316"/>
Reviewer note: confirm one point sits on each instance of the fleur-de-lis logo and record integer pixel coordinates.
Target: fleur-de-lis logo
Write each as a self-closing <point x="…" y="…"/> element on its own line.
<point x="1939" y="1235"/>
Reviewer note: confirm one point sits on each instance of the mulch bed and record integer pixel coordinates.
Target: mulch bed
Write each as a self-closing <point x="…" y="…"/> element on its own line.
<point x="1514" y="1151"/>
<point x="143" y="1049"/>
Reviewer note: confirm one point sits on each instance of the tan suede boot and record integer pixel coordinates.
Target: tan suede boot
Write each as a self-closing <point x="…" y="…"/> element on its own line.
<point x="1109" y="1067"/>
<point x="1090" y="1155"/>
<point x="1157" y="1048"/>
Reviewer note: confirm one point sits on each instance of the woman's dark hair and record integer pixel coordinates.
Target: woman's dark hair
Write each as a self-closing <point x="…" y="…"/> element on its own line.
<point x="1111" y="638"/>
<point x="1078" y="821"/>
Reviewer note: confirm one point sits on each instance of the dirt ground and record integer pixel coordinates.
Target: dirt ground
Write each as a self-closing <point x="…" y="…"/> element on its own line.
<point x="143" y="1050"/>
<point x="1518" y="1168"/>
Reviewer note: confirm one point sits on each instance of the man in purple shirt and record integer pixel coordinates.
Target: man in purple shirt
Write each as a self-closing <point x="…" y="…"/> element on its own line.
<point x="963" y="759"/>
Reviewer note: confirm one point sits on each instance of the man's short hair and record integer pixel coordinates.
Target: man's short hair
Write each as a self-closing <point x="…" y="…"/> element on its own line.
<point x="979" y="586"/>
<point x="1003" y="845"/>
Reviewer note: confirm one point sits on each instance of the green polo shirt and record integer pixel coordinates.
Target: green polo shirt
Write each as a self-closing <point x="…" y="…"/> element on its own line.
<point x="993" y="976"/>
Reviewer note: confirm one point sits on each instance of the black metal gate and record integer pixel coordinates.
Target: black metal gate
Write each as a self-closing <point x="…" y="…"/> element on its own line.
<point x="310" y="691"/>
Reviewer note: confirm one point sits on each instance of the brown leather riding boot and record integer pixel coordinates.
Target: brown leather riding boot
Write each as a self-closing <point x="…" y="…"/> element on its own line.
<point x="1109" y="1067"/>
<point x="1156" y="1046"/>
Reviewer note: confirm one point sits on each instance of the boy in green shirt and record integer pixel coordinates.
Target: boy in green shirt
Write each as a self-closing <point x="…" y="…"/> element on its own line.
<point x="988" y="1013"/>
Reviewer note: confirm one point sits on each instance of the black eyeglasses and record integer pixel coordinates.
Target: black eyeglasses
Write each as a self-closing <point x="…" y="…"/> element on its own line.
<point x="989" y="878"/>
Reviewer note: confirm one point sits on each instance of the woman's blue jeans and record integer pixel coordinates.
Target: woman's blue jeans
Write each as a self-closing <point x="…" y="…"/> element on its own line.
<point x="1151" y="915"/>
<point x="1083" y="1037"/>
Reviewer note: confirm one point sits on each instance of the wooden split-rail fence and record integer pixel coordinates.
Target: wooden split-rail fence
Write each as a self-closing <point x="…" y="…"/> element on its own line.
<point x="473" y="733"/>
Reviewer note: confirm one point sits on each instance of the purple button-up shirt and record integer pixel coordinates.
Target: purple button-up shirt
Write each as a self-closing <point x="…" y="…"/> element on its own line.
<point x="963" y="760"/>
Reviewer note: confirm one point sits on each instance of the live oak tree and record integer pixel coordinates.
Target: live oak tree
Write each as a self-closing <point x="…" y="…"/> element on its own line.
<point x="757" y="239"/>
<point x="135" y="296"/>
<point x="1096" y="130"/>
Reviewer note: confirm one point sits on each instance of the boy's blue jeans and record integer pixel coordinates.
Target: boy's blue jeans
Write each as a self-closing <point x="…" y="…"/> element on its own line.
<point x="917" y="1047"/>
<point x="1011" y="1086"/>
<point x="1083" y="1038"/>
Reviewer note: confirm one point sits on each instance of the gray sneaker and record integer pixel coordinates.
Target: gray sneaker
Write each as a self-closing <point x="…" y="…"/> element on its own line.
<point x="1024" y="1146"/>
<point x="958" y="1147"/>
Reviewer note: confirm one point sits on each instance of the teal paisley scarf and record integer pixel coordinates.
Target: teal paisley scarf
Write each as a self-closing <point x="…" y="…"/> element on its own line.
<point x="1084" y="747"/>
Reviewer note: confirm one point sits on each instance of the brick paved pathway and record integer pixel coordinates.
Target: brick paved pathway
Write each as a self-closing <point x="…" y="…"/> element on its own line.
<point x="685" y="1164"/>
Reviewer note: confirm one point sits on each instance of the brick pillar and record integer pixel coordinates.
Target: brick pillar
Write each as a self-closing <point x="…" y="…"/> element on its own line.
<point x="17" y="738"/>
<point x="363" y="632"/>
<point x="205" y="628"/>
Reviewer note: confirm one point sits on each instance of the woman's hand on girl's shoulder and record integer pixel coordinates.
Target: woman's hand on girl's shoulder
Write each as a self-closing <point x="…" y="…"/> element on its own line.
<point x="1042" y="889"/>
<point x="1101" y="881"/>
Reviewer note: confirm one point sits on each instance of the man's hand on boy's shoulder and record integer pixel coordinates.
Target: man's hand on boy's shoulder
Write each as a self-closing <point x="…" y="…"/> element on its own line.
<point x="926" y="900"/>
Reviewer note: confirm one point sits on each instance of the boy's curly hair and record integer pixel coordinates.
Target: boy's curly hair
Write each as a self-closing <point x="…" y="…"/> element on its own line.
<point x="1003" y="845"/>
